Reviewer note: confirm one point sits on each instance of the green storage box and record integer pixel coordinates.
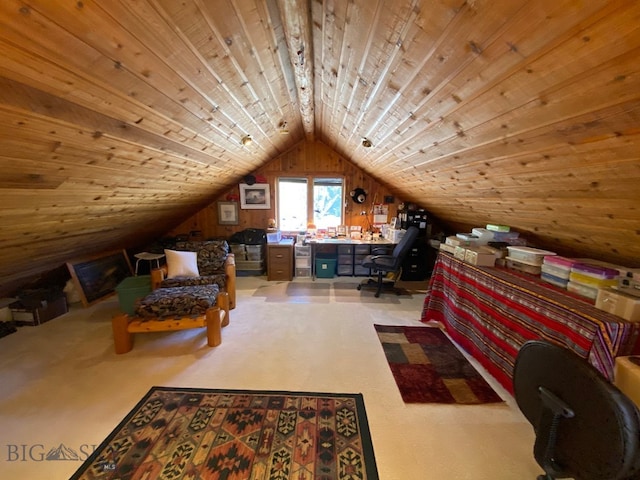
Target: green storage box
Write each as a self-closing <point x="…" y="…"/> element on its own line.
<point x="130" y="289"/>
<point x="325" y="267"/>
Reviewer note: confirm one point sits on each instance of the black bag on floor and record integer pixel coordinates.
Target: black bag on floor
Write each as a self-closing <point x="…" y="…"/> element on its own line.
<point x="249" y="236"/>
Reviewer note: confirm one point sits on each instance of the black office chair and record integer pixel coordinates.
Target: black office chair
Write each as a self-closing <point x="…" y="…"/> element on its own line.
<point x="586" y="428"/>
<point x="384" y="264"/>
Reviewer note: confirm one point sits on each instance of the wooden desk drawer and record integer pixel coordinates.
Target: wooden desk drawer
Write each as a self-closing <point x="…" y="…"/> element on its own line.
<point x="280" y="262"/>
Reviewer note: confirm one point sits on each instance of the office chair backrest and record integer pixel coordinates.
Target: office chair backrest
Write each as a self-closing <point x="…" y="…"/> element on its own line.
<point x="405" y="243"/>
<point x="595" y="431"/>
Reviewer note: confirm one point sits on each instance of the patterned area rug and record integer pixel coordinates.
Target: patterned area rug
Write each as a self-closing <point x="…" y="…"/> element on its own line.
<point x="182" y="434"/>
<point x="428" y="368"/>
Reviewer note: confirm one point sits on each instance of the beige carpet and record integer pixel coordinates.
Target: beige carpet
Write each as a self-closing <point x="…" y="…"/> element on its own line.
<point x="339" y="290"/>
<point x="63" y="389"/>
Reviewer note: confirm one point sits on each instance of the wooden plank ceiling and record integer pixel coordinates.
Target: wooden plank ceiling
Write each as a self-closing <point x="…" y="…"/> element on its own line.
<point x="120" y="118"/>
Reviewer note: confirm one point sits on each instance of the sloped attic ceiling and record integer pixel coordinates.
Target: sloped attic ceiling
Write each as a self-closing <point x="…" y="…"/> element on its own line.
<point x="120" y="118"/>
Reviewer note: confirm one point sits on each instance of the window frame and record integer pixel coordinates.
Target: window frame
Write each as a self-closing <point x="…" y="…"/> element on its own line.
<point x="310" y="180"/>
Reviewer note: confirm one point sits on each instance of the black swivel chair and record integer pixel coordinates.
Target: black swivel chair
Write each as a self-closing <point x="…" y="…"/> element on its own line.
<point x="384" y="264"/>
<point x="586" y="428"/>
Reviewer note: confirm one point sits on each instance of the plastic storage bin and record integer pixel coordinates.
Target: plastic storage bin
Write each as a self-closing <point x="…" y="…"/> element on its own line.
<point x="550" y="274"/>
<point x="593" y="282"/>
<point x="303" y="250"/>
<point x="531" y="256"/>
<point x="254" y="252"/>
<point x="303" y="272"/>
<point x="558" y="272"/>
<point x="325" y="267"/>
<point x="595" y="271"/>
<point x="130" y="289"/>
<point x="239" y="250"/>
<point x="582" y="290"/>
<point x="523" y="266"/>
<point x="560" y="262"/>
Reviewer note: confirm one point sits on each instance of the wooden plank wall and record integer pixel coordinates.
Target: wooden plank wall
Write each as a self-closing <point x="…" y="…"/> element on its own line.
<point x="307" y="158"/>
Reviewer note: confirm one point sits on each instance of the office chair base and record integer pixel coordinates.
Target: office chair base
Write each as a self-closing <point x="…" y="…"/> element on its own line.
<point x="372" y="284"/>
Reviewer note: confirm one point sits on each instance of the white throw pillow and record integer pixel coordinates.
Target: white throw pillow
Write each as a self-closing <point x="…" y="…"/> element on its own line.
<point x="182" y="264"/>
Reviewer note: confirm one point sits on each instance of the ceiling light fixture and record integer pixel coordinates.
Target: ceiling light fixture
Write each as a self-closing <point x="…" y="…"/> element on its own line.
<point x="283" y="128"/>
<point x="366" y="143"/>
<point x="246" y="140"/>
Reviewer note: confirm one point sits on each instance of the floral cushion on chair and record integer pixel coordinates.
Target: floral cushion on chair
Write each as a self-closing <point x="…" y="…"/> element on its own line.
<point x="177" y="302"/>
<point x="219" y="279"/>
<point x="211" y="258"/>
<point x="212" y="254"/>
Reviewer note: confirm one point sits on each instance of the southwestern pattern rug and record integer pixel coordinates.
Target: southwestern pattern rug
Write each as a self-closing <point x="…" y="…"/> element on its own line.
<point x="210" y="434"/>
<point x="428" y="368"/>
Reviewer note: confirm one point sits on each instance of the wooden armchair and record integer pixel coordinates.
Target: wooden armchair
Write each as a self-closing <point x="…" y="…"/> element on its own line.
<point x="226" y="281"/>
<point x="179" y="301"/>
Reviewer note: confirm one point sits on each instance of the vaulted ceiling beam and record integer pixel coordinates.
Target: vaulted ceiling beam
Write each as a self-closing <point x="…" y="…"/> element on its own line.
<point x="296" y="19"/>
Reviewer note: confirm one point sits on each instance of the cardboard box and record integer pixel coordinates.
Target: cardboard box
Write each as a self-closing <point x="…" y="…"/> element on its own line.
<point x="480" y="257"/>
<point x="460" y="253"/>
<point x="37" y="307"/>
<point x="447" y="248"/>
<point x="618" y="303"/>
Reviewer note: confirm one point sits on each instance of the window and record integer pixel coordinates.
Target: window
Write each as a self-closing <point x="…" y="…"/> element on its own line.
<point x="297" y="194"/>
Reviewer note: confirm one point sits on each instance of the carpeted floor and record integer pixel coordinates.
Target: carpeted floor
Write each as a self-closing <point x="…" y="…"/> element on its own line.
<point x="428" y="368"/>
<point x="191" y="433"/>
<point x="326" y="291"/>
<point x="63" y="388"/>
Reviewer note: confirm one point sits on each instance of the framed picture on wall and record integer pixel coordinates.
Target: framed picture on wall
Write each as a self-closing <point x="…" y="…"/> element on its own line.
<point x="228" y="213"/>
<point x="255" y="196"/>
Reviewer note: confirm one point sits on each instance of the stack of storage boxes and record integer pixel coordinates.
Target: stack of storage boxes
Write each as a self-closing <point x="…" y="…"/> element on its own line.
<point x="556" y="270"/>
<point x="360" y="252"/>
<point x="527" y="259"/>
<point x="345" y="260"/>
<point x="302" y="260"/>
<point x="585" y="279"/>
<point x="249" y="259"/>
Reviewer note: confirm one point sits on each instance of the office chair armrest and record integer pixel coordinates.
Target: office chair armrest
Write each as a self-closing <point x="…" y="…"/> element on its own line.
<point x="383" y="261"/>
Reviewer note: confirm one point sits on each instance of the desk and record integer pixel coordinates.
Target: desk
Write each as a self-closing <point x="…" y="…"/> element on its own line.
<point x="341" y="243"/>
<point x="491" y="312"/>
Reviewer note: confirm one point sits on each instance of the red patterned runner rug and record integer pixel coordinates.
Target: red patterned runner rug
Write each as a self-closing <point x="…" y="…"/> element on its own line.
<point x="428" y="368"/>
<point x="184" y="433"/>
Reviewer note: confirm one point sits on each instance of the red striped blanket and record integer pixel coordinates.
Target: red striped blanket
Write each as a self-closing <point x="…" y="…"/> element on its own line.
<point x="491" y="312"/>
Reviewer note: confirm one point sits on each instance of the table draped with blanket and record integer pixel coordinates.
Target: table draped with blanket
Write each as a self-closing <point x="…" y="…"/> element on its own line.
<point x="491" y="312"/>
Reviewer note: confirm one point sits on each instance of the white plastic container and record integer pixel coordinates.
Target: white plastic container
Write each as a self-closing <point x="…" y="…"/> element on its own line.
<point x="560" y="262"/>
<point x="582" y="290"/>
<point x="484" y="236"/>
<point x="553" y="280"/>
<point x="530" y="255"/>
<point x="591" y="281"/>
<point x="558" y="272"/>
<point x="595" y="271"/>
